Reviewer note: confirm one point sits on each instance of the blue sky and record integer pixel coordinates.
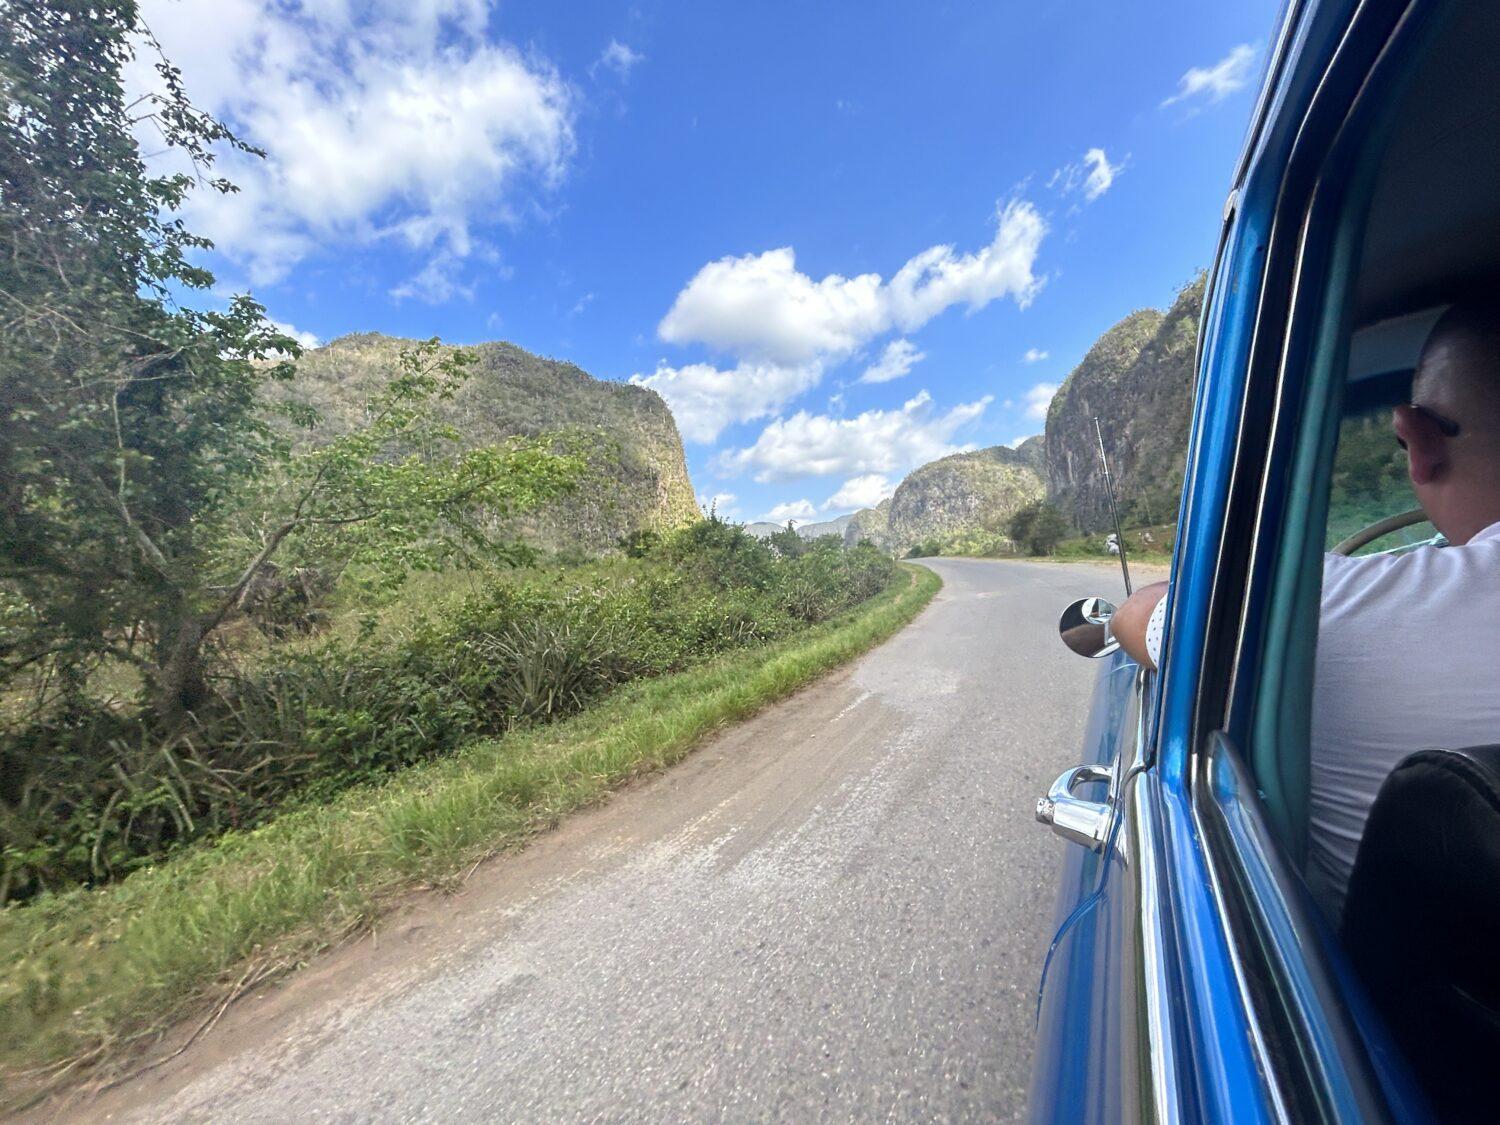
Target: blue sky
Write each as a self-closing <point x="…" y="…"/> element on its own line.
<point x="829" y="234"/>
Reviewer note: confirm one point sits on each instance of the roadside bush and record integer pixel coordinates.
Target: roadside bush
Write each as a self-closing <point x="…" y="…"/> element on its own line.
<point x="92" y="791"/>
<point x="1037" y="528"/>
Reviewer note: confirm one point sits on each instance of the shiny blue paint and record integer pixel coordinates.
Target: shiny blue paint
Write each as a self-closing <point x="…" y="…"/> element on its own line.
<point x="1077" y="1076"/>
<point x="1060" y="1090"/>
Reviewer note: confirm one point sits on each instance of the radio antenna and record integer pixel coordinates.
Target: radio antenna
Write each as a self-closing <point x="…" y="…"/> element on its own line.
<point x="1114" y="510"/>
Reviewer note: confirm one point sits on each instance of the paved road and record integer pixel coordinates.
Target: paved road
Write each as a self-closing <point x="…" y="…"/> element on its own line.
<point x="835" y="911"/>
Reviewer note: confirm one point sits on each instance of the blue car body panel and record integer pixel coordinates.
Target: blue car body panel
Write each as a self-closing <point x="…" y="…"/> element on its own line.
<point x="1204" y="1054"/>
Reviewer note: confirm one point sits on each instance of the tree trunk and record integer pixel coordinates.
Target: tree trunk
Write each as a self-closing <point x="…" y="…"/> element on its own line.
<point x="179" y="685"/>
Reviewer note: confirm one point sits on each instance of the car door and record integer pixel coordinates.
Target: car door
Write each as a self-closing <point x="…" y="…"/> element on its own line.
<point x="1189" y="979"/>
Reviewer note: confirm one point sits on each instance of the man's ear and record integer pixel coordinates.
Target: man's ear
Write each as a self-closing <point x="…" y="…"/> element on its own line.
<point x="1426" y="447"/>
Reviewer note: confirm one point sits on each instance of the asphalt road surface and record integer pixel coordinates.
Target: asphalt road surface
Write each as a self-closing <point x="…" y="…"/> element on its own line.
<point x="836" y="911"/>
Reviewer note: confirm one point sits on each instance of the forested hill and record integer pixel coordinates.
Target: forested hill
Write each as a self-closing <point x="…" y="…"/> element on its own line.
<point x="954" y="496"/>
<point x="639" y="478"/>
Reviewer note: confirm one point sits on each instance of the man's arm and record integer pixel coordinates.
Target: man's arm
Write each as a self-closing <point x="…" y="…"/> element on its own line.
<point x="1128" y="625"/>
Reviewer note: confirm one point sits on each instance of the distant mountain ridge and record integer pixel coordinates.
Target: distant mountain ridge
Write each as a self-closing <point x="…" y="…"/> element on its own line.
<point x="762" y="528"/>
<point x="639" y="479"/>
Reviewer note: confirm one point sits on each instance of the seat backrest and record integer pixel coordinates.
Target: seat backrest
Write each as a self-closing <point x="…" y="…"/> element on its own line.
<point x="1422" y="922"/>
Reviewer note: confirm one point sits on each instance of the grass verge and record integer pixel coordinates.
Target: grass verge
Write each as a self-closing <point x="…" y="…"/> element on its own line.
<point x="92" y="974"/>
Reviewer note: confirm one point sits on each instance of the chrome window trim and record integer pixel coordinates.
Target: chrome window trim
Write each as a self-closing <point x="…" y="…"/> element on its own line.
<point x="1162" y="1057"/>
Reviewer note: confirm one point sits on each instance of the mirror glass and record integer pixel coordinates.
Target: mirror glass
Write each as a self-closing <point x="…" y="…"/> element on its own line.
<point x="1084" y="627"/>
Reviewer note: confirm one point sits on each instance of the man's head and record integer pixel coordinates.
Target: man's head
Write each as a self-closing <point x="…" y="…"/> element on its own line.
<point x="1451" y="430"/>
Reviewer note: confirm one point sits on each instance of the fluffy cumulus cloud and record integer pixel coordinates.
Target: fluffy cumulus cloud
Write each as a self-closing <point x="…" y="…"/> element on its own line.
<point x="785" y="328"/>
<point x="1016" y="441"/>
<point x="799" y="510"/>
<point x="1038" y="399"/>
<point x="389" y="120"/>
<point x="899" y="357"/>
<point x="877" y="441"/>
<point x="704" y="398"/>
<point x="860" y="492"/>
<point x="761" y="307"/>
<point x="1034" y="355"/>
<point x="1215" y="83"/>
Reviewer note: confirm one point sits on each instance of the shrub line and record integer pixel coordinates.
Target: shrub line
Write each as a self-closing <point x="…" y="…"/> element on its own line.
<point x="95" y="972"/>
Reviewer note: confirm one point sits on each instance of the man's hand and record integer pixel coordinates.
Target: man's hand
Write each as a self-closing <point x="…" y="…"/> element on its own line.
<point x="1128" y="625"/>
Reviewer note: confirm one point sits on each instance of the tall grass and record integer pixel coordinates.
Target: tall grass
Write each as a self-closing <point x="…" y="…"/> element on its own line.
<point x="93" y="972"/>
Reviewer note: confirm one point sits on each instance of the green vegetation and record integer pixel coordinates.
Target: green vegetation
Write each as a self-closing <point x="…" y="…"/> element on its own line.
<point x="91" y="972"/>
<point x="108" y="788"/>
<point x="1142" y="545"/>
<point x="1037" y="528"/>
<point x="1370" y="482"/>
<point x="975" y="543"/>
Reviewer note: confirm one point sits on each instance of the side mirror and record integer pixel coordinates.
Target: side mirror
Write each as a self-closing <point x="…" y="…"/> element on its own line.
<point x="1084" y="626"/>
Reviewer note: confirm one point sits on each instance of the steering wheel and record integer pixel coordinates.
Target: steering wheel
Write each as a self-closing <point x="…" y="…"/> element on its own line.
<point x="1379" y="528"/>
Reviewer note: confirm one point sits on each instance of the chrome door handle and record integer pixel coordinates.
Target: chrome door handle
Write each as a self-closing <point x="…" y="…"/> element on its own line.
<point x="1072" y="818"/>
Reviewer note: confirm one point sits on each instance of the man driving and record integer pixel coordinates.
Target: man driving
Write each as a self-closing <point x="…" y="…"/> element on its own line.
<point x="1407" y="644"/>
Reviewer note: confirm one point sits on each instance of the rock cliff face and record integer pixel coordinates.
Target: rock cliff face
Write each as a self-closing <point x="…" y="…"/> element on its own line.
<point x="639" y="478"/>
<point x="872" y="524"/>
<point x="954" y="495"/>
<point x="1137" y="380"/>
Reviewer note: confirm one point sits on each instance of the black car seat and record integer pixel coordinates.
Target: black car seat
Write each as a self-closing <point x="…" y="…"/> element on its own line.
<point x="1422" y="923"/>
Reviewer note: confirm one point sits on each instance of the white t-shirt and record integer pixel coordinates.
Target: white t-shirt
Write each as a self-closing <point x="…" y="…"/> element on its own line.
<point x="1408" y="659"/>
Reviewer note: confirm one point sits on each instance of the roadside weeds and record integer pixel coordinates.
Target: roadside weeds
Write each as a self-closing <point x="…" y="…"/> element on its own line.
<point x="97" y="975"/>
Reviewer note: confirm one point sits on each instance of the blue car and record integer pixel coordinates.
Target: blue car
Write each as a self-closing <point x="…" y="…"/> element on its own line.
<point x="1192" y="977"/>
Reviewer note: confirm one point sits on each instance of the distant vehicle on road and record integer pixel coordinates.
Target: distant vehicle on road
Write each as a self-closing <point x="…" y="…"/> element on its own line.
<point x="1192" y="976"/>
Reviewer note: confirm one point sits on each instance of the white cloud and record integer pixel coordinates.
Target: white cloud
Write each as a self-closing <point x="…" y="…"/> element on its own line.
<point x="899" y="357"/>
<point x="1038" y="398"/>
<point x="392" y="119"/>
<point x="1015" y="441"/>
<point x="1101" y="173"/>
<point x="1093" y="175"/>
<point x="704" y="399"/>
<point x="437" y="283"/>
<point x="877" y="441"/>
<point x="1217" y="82"/>
<point x="760" y="307"/>
<point x="618" y="58"/>
<point x="1034" y="355"/>
<point x="860" y="492"/>
<point x="792" y="510"/>
<point x="725" y="504"/>
<point x="306" y="339"/>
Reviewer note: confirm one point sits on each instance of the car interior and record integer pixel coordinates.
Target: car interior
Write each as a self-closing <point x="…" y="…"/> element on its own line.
<point x="1421" y="920"/>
